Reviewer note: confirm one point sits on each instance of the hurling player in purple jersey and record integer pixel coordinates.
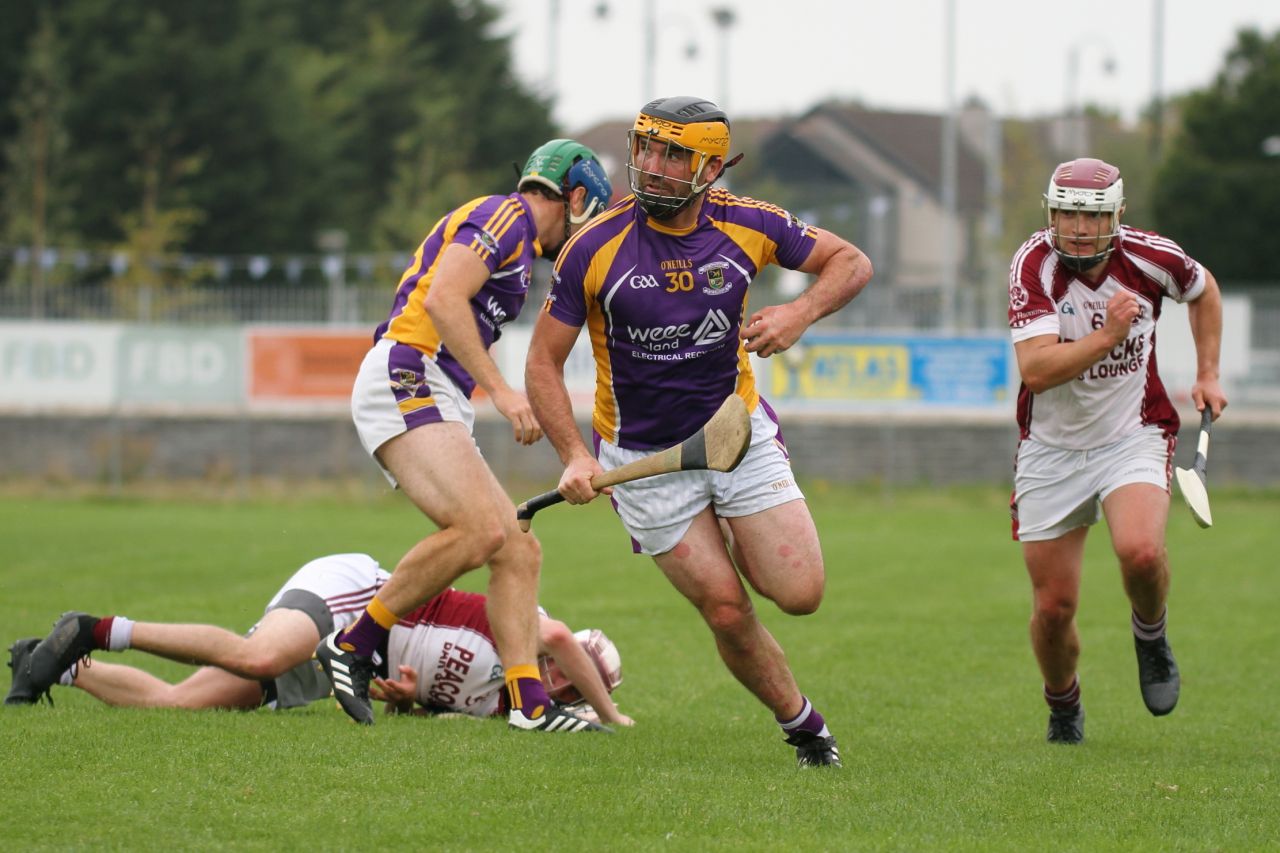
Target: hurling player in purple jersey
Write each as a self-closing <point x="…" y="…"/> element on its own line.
<point x="412" y="410"/>
<point x="1097" y="430"/>
<point x="660" y="281"/>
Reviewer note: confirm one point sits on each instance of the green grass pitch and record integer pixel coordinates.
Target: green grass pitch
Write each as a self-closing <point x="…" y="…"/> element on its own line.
<point x="918" y="658"/>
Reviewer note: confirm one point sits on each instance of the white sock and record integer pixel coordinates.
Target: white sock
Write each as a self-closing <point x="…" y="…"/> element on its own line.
<point x="1154" y="631"/>
<point x="121" y="635"/>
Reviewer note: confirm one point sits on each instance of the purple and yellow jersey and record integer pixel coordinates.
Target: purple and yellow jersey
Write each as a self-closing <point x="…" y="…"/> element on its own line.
<point x="663" y="309"/>
<point x="500" y="230"/>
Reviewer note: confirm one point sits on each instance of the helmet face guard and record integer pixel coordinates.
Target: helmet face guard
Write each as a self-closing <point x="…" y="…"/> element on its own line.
<point x="561" y="166"/>
<point x="668" y="149"/>
<point x="1085" y="186"/>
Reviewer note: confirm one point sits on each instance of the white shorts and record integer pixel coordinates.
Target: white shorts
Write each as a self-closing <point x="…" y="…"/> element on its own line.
<point x="333" y="591"/>
<point x="657" y="511"/>
<point x="399" y="388"/>
<point x="1057" y="490"/>
<point x="346" y="583"/>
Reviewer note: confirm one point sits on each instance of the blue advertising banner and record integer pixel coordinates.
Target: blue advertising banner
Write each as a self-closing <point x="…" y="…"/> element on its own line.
<point x="968" y="371"/>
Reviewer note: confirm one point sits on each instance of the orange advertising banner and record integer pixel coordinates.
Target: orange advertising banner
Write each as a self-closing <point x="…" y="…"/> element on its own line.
<point x="298" y="365"/>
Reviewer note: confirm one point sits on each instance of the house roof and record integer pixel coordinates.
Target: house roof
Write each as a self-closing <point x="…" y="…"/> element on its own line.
<point x="910" y="142"/>
<point x="609" y="141"/>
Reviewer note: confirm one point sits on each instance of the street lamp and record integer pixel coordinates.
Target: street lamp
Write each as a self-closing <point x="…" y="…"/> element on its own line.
<point x="650" y="61"/>
<point x="1075" y="133"/>
<point x="724" y="18"/>
<point x="601" y="13"/>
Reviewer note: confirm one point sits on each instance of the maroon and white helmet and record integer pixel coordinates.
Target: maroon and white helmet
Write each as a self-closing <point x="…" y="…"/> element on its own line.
<point x="602" y="652"/>
<point x="1089" y="185"/>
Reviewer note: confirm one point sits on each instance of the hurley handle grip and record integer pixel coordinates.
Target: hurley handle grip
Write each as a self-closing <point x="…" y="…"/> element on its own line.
<point x="526" y="510"/>
<point x="1202" y="448"/>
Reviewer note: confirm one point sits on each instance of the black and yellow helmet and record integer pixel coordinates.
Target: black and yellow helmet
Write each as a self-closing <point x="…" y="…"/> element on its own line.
<point x="694" y="130"/>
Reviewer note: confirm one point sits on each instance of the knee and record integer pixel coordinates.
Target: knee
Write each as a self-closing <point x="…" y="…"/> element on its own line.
<point x="1142" y="561"/>
<point x="1054" y="612"/>
<point x="800" y="598"/>
<point x="263" y="665"/>
<point x="728" y="619"/>
<point x="481" y="540"/>
<point x="521" y="554"/>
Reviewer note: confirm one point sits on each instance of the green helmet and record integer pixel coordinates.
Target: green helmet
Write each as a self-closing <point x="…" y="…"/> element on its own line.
<point x="562" y="165"/>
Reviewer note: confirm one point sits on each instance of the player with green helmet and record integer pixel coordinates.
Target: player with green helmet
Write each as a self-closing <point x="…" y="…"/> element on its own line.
<point x="411" y="404"/>
<point x="562" y="166"/>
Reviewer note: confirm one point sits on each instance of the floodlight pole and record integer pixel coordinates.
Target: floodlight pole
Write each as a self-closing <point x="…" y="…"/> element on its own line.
<point x="650" y="28"/>
<point x="724" y="19"/>
<point x="948" y="177"/>
<point x="1157" y="78"/>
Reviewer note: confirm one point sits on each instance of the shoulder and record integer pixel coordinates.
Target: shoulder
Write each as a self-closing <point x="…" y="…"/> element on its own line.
<point x="1146" y="255"/>
<point x="1150" y="246"/>
<point x="1032" y="254"/>
<point x="723" y="205"/>
<point x="599" y="232"/>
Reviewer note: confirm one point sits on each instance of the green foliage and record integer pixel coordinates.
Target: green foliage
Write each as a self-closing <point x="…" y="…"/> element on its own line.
<point x="1029" y="159"/>
<point x="918" y="658"/>
<point x="1216" y="191"/>
<point x="1027" y="163"/>
<point x="260" y="123"/>
<point x="37" y="201"/>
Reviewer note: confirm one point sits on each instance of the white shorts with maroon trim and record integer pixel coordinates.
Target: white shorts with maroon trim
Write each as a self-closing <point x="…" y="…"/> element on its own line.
<point x="345" y="582"/>
<point x="1057" y="490"/>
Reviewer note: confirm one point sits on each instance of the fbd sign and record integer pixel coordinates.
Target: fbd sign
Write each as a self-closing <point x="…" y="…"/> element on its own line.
<point x="57" y="365"/>
<point x="181" y="365"/>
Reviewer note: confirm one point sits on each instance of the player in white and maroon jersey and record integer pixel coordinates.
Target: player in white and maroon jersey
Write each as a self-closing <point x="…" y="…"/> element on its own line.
<point x="441" y="658"/>
<point x="445" y="647"/>
<point x="660" y="280"/>
<point x="1096" y="427"/>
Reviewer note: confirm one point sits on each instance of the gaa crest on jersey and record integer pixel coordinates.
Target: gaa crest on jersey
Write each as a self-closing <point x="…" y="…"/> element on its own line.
<point x="1018" y="296"/>
<point x="487" y="240"/>
<point x="794" y="221"/>
<point x="714" y="273"/>
<point x="406" y="380"/>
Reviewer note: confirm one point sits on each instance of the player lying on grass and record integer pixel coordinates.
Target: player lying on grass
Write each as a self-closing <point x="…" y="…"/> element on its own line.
<point x="442" y="655"/>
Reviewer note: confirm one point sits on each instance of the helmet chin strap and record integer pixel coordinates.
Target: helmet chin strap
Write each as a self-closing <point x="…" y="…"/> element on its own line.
<point x="1081" y="263"/>
<point x="696" y="189"/>
<point x="568" y="219"/>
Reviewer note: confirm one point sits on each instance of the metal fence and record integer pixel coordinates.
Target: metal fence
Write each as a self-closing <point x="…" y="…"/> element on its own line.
<point x="883" y="308"/>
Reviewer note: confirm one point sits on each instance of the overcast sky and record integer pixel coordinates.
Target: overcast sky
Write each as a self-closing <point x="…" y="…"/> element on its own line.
<point x="785" y="56"/>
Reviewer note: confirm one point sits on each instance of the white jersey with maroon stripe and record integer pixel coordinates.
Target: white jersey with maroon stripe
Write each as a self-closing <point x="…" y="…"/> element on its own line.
<point x="449" y="642"/>
<point x="1122" y="392"/>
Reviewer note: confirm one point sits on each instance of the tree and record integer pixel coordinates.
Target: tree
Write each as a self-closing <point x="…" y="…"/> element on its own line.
<point x="248" y="126"/>
<point x="36" y="202"/>
<point x="1218" y="191"/>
